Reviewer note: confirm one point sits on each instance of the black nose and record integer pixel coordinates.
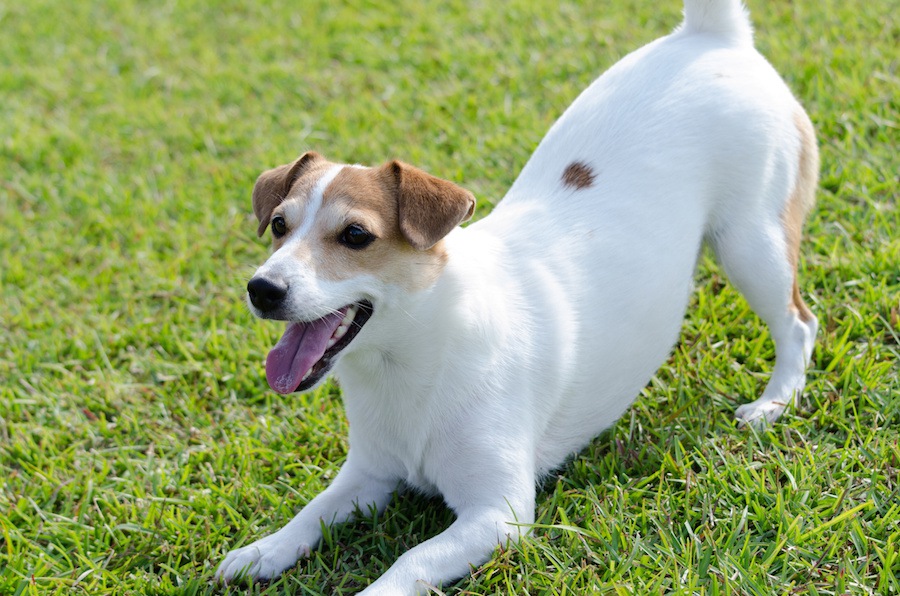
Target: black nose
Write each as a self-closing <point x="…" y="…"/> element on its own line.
<point x="266" y="294"/>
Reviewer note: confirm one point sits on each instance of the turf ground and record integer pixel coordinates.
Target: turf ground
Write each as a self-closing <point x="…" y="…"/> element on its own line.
<point x="138" y="439"/>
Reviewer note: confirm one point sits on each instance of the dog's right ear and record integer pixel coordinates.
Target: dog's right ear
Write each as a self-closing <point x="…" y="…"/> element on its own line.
<point x="273" y="185"/>
<point x="428" y="207"/>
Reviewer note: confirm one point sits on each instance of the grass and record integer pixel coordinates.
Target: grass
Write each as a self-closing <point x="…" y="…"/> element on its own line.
<point x="138" y="440"/>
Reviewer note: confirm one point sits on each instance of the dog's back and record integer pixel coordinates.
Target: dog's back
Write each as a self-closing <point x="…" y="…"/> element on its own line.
<point x="687" y="138"/>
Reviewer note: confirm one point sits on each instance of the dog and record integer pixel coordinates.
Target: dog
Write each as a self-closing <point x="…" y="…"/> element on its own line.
<point x="473" y="360"/>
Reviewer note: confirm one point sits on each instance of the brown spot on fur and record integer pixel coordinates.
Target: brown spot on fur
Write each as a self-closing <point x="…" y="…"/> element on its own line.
<point x="578" y="175"/>
<point x="799" y="203"/>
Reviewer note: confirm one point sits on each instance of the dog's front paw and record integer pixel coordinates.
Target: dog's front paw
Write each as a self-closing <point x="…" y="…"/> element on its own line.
<point x="262" y="560"/>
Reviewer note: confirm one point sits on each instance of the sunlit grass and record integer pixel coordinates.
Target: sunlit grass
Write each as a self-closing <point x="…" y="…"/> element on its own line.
<point x="138" y="440"/>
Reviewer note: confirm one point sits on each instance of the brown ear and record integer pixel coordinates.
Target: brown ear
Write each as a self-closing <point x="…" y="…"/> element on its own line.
<point x="428" y="207"/>
<point x="273" y="185"/>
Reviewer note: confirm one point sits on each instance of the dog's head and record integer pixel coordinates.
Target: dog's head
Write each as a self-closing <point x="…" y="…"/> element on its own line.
<point x="346" y="239"/>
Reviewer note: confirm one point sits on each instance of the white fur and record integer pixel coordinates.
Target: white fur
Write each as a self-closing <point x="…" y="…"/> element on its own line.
<point x="554" y="311"/>
<point x="315" y="203"/>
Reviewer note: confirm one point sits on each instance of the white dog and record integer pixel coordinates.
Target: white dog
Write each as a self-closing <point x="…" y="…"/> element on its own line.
<point x="474" y="360"/>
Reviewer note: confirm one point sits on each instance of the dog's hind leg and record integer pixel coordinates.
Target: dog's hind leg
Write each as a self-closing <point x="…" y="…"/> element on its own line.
<point x="760" y="255"/>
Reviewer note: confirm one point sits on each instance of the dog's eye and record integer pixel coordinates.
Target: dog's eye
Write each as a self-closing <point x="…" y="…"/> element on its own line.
<point x="279" y="226"/>
<point x="355" y="236"/>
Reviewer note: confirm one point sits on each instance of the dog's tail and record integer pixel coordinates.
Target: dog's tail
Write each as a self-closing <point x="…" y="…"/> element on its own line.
<point x="727" y="18"/>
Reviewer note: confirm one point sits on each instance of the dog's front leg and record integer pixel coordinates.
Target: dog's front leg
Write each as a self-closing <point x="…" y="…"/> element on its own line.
<point x="494" y="505"/>
<point x="353" y="488"/>
<point x="468" y="542"/>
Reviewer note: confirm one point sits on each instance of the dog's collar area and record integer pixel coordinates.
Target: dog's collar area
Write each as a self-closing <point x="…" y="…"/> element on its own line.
<point x="307" y="350"/>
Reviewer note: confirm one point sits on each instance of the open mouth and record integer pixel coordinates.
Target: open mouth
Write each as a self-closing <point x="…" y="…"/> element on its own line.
<point x="306" y="351"/>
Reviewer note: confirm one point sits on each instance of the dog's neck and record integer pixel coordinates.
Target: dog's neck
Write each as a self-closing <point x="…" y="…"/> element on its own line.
<point x="413" y="342"/>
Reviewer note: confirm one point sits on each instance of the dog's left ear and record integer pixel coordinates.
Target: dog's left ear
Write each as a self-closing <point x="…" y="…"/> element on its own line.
<point x="428" y="207"/>
<point x="273" y="186"/>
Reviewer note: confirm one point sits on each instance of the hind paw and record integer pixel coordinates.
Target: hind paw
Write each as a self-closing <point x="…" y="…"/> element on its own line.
<point x="759" y="413"/>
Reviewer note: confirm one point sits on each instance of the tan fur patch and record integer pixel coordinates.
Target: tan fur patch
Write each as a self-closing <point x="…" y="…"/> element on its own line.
<point x="578" y="175"/>
<point x="799" y="203"/>
<point x="367" y="197"/>
<point x="406" y="209"/>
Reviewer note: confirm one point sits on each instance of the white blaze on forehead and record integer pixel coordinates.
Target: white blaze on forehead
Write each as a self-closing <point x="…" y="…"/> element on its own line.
<point x="315" y="200"/>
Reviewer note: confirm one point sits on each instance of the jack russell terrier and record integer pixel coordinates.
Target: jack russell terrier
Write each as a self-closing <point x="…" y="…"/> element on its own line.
<point x="475" y="360"/>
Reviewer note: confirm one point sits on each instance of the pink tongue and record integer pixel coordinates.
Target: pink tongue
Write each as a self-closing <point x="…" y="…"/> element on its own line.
<point x="301" y="346"/>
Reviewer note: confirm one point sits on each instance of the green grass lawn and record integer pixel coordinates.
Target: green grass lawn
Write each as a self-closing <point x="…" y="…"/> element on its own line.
<point x="139" y="441"/>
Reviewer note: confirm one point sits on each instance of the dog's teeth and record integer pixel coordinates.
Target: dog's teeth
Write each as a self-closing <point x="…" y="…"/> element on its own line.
<point x="332" y="341"/>
<point x="340" y="331"/>
<point x="348" y="318"/>
<point x="306" y="376"/>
